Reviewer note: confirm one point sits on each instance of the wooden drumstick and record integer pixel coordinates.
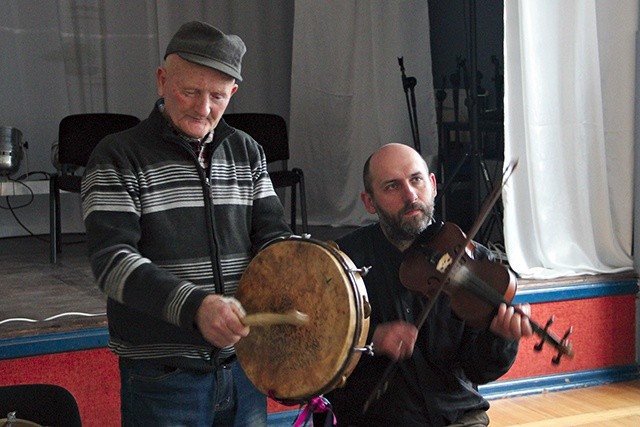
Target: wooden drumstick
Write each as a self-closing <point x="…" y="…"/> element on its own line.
<point x="293" y="317"/>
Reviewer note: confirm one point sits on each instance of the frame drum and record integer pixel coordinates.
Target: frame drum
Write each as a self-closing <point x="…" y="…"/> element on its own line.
<point x="296" y="363"/>
<point x="12" y="421"/>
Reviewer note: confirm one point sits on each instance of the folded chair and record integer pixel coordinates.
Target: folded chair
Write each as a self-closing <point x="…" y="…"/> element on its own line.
<point x="42" y="404"/>
<point x="270" y="131"/>
<point x="78" y="134"/>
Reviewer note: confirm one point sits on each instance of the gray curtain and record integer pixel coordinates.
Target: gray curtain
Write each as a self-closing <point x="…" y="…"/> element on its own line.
<point x="347" y="96"/>
<point x="65" y="57"/>
<point x="70" y="56"/>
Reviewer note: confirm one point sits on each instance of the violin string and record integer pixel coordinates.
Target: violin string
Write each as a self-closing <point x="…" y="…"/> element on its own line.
<point x="464" y="277"/>
<point x="474" y="284"/>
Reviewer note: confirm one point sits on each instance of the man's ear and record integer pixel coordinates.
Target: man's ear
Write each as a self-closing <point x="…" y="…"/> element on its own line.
<point x="161" y="77"/>
<point x="368" y="202"/>
<point x="434" y="184"/>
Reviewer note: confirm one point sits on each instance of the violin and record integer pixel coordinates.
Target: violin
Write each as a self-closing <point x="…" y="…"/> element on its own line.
<point x="476" y="287"/>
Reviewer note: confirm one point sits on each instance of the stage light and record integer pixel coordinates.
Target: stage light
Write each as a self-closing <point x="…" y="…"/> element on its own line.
<point x="11" y="147"/>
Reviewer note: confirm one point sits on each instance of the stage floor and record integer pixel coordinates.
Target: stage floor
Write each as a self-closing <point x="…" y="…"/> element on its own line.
<point x="33" y="288"/>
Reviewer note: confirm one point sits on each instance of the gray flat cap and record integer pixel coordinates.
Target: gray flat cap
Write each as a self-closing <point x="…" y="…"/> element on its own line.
<point x="206" y="45"/>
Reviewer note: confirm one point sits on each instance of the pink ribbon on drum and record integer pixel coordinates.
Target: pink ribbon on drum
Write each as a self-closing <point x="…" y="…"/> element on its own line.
<point x="316" y="405"/>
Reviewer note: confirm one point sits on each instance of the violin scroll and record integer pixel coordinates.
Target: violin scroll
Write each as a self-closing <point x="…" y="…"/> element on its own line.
<point x="563" y="345"/>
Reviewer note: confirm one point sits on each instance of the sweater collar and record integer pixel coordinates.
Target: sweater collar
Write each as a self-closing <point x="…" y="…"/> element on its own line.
<point x="198" y="142"/>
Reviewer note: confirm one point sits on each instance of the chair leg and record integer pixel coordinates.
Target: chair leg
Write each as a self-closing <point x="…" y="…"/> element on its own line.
<point x="303" y="201"/>
<point x="293" y="208"/>
<point x="53" y="224"/>
<point x="58" y="223"/>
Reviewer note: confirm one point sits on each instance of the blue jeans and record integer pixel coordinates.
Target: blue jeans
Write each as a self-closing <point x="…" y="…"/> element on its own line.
<point x="156" y="395"/>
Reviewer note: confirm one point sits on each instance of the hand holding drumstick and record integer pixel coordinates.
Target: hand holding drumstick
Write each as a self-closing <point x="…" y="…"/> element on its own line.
<point x="219" y="320"/>
<point x="223" y="321"/>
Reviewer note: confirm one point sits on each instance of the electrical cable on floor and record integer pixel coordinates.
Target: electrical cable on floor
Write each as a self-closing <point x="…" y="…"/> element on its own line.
<point x="12" y="209"/>
<point x="48" y="319"/>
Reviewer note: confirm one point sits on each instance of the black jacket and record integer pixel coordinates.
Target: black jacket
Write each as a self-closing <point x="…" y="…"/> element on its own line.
<point x="438" y="384"/>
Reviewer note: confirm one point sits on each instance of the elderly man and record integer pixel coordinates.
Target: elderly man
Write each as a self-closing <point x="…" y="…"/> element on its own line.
<point x="174" y="209"/>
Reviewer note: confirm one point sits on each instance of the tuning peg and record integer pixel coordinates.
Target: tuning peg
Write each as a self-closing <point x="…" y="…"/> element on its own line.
<point x="566" y="334"/>
<point x="565" y="345"/>
<point x="538" y="346"/>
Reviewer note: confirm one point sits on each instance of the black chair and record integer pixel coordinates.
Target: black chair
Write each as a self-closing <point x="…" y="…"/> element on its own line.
<point x="78" y="134"/>
<point x="43" y="404"/>
<point x="270" y="130"/>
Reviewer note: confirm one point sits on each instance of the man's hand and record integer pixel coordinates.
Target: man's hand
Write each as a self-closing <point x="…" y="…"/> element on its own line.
<point x="395" y="339"/>
<point x="219" y="320"/>
<point x="510" y="324"/>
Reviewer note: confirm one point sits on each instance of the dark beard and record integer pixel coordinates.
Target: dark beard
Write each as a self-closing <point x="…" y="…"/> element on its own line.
<point x="398" y="229"/>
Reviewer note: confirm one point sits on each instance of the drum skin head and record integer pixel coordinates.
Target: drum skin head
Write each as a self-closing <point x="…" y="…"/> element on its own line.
<point x="296" y="363"/>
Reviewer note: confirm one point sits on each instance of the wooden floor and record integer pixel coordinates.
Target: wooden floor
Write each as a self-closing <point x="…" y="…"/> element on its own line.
<point x="40" y="297"/>
<point x="612" y="405"/>
<point x="32" y="288"/>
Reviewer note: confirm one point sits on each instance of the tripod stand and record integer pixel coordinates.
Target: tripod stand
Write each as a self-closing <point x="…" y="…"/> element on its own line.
<point x="473" y="156"/>
<point x="409" y="84"/>
<point x="481" y="186"/>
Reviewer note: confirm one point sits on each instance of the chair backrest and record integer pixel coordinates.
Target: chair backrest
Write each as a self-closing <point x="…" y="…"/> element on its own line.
<point x="78" y="134"/>
<point x="42" y="404"/>
<point x="270" y="130"/>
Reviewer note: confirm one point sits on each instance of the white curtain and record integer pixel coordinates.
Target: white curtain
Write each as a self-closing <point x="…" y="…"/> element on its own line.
<point x="569" y="119"/>
<point x="70" y="56"/>
<point x="347" y="96"/>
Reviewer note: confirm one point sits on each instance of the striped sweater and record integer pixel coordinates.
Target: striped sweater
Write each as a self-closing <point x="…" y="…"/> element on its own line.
<point x="162" y="236"/>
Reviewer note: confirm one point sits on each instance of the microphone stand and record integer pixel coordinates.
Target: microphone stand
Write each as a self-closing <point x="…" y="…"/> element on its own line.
<point x="409" y="84"/>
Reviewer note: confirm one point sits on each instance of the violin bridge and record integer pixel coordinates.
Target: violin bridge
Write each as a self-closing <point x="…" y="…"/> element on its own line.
<point x="444" y="262"/>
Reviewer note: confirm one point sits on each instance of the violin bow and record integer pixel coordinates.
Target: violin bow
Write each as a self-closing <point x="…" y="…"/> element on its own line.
<point x="493" y="197"/>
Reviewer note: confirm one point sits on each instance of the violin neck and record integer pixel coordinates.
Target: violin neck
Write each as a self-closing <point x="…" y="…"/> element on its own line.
<point x="478" y="287"/>
<point x="539" y="331"/>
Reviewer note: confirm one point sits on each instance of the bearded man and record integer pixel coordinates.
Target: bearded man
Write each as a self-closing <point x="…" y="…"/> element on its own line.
<point x="440" y="364"/>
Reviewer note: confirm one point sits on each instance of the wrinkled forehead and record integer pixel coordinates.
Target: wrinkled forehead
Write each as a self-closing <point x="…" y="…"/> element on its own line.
<point x="396" y="163"/>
